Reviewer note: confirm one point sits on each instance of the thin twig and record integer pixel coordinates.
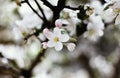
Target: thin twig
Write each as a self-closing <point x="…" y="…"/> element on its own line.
<point x="41" y="10"/>
<point x="28" y="73"/>
<point x="48" y="4"/>
<point x="37" y="59"/>
<point x="26" y="1"/>
<point x="72" y="8"/>
<point x="56" y="11"/>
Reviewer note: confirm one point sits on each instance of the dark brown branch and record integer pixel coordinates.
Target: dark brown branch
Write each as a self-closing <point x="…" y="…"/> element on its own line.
<point x="36" y="33"/>
<point x="48" y="4"/>
<point x="23" y="1"/>
<point x="38" y="59"/>
<point x="44" y="17"/>
<point x="72" y="8"/>
<point x="117" y="70"/>
<point x="26" y="1"/>
<point x="85" y="61"/>
<point x="56" y="11"/>
<point x="7" y="70"/>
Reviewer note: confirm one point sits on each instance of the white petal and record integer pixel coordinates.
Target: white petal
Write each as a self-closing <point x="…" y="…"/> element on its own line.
<point x="89" y="26"/>
<point x="86" y="34"/>
<point x="57" y="32"/>
<point x="100" y="32"/>
<point x="58" y="46"/>
<point x="51" y="43"/>
<point x="64" y="38"/>
<point x="90" y="37"/>
<point x="93" y="38"/>
<point x="58" y="23"/>
<point x="101" y="25"/>
<point x="48" y="33"/>
<point x="42" y="37"/>
<point x="107" y="0"/>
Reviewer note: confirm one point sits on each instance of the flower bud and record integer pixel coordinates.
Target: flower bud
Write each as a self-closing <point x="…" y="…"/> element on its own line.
<point x="58" y="23"/>
<point x="44" y="44"/>
<point x="71" y="46"/>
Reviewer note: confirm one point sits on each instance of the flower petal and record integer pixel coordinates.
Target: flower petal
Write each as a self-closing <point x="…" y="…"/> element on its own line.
<point x="58" y="23"/>
<point x="64" y="38"/>
<point x="57" y="32"/>
<point x="48" y="33"/>
<point x="100" y="32"/>
<point x="58" y="46"/>
<point x="85" y="34"/>
<point x="51" y="43"/>
<point x="89" y="26"/>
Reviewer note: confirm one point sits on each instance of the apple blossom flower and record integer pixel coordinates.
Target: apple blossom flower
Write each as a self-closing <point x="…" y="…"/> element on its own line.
<point x="115" y="9"/>
<point x="94" y="28"/>
<point x="96" y="7"/>
<point x="71" y="46"/>
<point x="55" y="38"/>
<point x="70" y="20"/>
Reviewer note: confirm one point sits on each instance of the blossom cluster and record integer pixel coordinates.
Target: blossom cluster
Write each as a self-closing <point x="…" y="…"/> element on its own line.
<point x="87" y="21"/>
<point x="42" y="27"/>
<point x="57" y="39"/>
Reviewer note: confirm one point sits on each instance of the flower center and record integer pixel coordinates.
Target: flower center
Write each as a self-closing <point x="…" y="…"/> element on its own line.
<point x="91" y="31"/>
<point x="56" y="39"/>
<point x="117" y="10"/>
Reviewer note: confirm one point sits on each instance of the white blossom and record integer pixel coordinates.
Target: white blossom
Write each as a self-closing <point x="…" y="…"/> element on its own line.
<point x="69" y="18"/>
<point x="103" y="66"/>
<point x="115" y="9"/>
<point x="56" y="38"/>
<point x="108" y="15"/>
<point x="94" y="28"/>
<point x="98" y="8"/>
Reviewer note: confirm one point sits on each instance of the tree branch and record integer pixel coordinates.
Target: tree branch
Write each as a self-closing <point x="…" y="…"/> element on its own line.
<point x="36" y="33"/>
<point x="44" y="17"/>
<point x="71" y="8"/>
<point x="38" y="59"/>
<point x="85" y="61"/>
<point x="26" y="1"/>
<point x="56" y="11"/>
<point x="117" y="70"/>
<point x="48" y="4"/>
<point x="8" y="70"/>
